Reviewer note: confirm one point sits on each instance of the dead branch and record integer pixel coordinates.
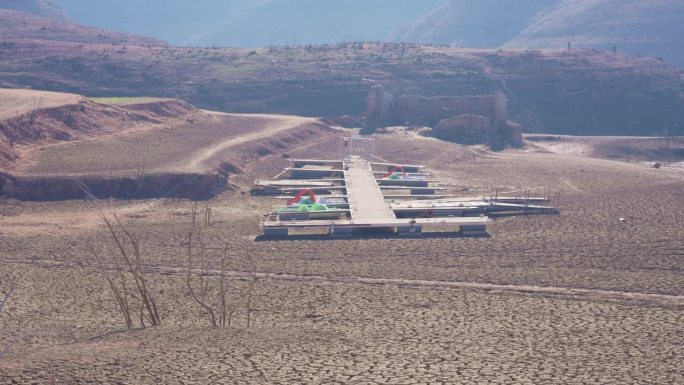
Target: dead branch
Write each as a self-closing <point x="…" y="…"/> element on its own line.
<point x="207" y="308"/>
<point x="250" y="288"/>
<point x="12" y="284"/>
<point x="121" y="235"/>
<point x="121" y="295"/>
<point x="194" y="213"/>
<point x="207" y="214"/>
<point x="11" y="289"/>
<point x="224" y="289"/>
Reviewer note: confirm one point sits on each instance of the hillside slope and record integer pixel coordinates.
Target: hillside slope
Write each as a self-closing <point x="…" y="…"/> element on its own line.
<point x="482" y="23"/>
<point x="19" y="25"/>
<point x="579" y="92"/>
<point x="646" y="27"/>
<point x="29" y="117"/>
<point x="251" y="23"/>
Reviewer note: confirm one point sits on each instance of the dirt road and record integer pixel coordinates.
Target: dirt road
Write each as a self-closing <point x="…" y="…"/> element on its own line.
<point x="281" y="123"/>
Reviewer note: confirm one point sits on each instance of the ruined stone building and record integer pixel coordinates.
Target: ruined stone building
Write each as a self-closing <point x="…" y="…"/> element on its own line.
<point x="464" y="119"/>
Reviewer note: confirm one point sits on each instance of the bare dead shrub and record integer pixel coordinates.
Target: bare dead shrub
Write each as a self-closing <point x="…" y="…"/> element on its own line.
<point x="37" y="105"/>
<point x="128" y="260"/>
<point x="207" y="219"/>
<point x="250" y="288"/>
<point x="204" y="281"/>
<point x="126" y="243"/>
<point x="219" y="312"/>
<point x="207" y="214"/>
<point x="120" y="292"/>
<point x="207" y="279"/>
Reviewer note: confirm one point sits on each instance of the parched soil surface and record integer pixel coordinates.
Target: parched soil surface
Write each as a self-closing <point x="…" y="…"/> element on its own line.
<point x="663" y="150"/>
<point x="582" y="298"/>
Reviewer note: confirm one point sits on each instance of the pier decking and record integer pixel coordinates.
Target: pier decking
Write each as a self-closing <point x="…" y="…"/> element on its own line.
<point x="366" y="201"/>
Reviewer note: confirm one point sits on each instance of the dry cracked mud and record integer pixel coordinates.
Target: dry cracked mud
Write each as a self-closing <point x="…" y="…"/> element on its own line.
<point x="582" y="298"/>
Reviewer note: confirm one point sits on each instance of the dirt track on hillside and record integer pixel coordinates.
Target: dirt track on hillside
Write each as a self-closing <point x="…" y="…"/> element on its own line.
<point x="281" y="123"/>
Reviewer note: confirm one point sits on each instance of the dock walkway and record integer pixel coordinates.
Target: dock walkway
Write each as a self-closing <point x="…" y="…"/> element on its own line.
<point x="366" y="200"/>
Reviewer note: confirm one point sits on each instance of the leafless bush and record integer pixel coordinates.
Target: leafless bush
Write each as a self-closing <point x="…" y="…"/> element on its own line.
<point x="250" y="288"/>
<point x="207" y="219"/>
<point x="128" y="247"/>
<point x="37" y="105"/>
<point x="208" y="283"/>
<point x="120" y="292"/>
<point x="207" y="214"/>
<point x="219" y="311"/>
<point x="127" y="263"/>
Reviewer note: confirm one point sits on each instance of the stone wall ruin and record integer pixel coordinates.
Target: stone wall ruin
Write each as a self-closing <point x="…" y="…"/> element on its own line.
<point x="477" y="119"/>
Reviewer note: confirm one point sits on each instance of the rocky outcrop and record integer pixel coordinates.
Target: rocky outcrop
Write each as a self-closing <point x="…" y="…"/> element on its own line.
<point x="476" y="119"/>
<point x="345" y="121"/>
<point x="476" y="129"/>
<point x="383" y="109"/>
<point x="380" y="107"/>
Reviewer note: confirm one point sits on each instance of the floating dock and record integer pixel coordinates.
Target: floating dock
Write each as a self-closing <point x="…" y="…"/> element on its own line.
<point x="357" y="195"/>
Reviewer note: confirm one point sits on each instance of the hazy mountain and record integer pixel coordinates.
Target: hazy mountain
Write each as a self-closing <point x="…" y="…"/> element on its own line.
<point x="19" y="25"/>
<point x="283" y="22"/>
<point x="36" y="7"/>
<point x="481" y="23"/>
<point x="649" y="27"/>
<point x="251" y="23"/>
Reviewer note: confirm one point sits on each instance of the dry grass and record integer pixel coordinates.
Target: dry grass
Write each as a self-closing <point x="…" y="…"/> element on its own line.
<point x="316" y="319"/>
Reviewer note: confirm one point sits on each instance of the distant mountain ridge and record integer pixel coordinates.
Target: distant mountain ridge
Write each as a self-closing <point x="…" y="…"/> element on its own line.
<point x="551" y="91"/>
<point x="19" y="25"/>
<point x="467" y="23"/>
<point x="37" y="7"/>
<point x="647" y="27"/>
<point x="251" y="23"/>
